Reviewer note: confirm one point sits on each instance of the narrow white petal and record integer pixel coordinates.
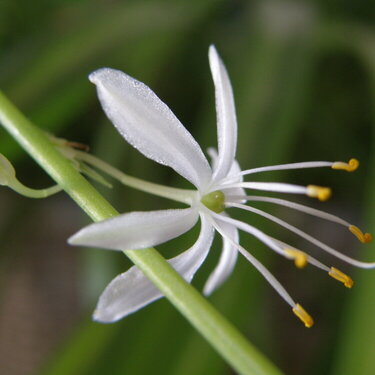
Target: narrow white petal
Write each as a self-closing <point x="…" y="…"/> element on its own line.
<point x="188" y="263"/>
<point x="227" y="260"/>
<point x="132" y="290"/>
<point x="234" y="171"/>
<point x="149" y="125"/>
<point x="136" y="230"/>
<point x="226" y="115"/>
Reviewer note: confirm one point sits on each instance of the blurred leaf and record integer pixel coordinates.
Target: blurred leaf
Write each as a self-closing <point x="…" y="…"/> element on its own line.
<point x="356" y="338"/>
<point x="76" y="358"/>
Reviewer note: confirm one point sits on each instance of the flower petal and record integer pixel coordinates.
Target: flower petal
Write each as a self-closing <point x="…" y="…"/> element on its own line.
<point x="226" y="115"/>
<point x="190" y="260"/>
<point x="136" y="230"/>
<point x="132" y="290"/>
<point x="234" y="171"/>
<point x="227" y="260"/>
<point x="149" y="125"/>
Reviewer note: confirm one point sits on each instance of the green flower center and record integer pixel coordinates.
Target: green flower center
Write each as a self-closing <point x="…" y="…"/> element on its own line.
<point x="214" y="201"/>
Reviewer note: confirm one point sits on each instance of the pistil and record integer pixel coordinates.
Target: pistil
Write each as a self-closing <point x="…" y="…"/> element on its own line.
<point x="215" y="201"/>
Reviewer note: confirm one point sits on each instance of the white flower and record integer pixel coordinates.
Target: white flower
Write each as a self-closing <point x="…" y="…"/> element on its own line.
<point x="150" y="126"/>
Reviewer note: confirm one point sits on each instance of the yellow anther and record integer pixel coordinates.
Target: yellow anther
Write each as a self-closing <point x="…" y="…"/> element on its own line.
<point x="363" y="237"/>
<point x="341" y="276"/>
<point x="350" y="166"/>
<point x="322" y="193"/>
<point x="303" y="315"/>
<point x="299" y="257"/>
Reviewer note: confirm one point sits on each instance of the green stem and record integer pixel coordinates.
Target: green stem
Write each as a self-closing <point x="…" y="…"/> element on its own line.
<point x="221" y="334"/>
<point x="179" y="195"/>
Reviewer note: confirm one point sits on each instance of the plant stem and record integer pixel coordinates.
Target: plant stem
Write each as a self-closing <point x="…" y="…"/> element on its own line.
<point x="221" y="334"/>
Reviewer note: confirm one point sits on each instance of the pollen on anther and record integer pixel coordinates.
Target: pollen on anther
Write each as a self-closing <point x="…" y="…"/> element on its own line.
<point x="303" y="315"/>
<point x="320" y="192"/>
<point x="350" y="166"/>
<point x="363" y="237"/>
<point x="300" y="258"/>
<point x="341" y="276"/>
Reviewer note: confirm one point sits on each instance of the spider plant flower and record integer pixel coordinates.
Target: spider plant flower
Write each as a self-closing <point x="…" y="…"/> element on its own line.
<point x="151" y="127"/>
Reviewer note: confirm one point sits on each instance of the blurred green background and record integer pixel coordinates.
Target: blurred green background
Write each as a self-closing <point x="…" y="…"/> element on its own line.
<point x="303" y="74"/>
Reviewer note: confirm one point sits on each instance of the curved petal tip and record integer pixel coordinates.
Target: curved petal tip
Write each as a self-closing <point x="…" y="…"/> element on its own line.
<point x="212" y="51"/>
<point x="97" y="75"/>
<point x="101" y="316"/>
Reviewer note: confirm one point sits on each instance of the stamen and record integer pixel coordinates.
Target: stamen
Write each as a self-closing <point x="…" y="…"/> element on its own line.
<point x="322" y="193"/>
<point x="323" y="246"/>
<point x="255" y="262"/>
<point x="311" y="260"/>
<point x="351" y="166"/>
<point x="278" y="187"/>
<point x="303" y="315"/>
<point x="300" y="258"/>
<point x="318" y="264"/>
<point x="296" y="206"/>
<point x="302" y="165"/>
<point x="363" y="237"/>
<point x="340" y="276"/>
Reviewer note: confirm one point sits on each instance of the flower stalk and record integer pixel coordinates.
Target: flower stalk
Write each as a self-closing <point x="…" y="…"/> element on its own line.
<point x="221" y="334"/>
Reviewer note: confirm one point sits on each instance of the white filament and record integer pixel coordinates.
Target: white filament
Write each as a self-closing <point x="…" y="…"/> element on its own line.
<point x="303" y="165"/>
<point x="278" y="187"/>
<point x="304" y="235"/>
<point x="259" y="266"/>
<point x="295" y="206"/>
<point x="310" y="259"/>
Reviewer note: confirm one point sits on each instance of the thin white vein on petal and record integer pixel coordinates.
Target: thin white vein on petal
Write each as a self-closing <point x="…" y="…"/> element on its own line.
<point x="137" y="230"/>
<point x="149" y="125"/>
<point x="226" y="262"/>
<point x="226" y="115"/>
<point x="132" y="290"/>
